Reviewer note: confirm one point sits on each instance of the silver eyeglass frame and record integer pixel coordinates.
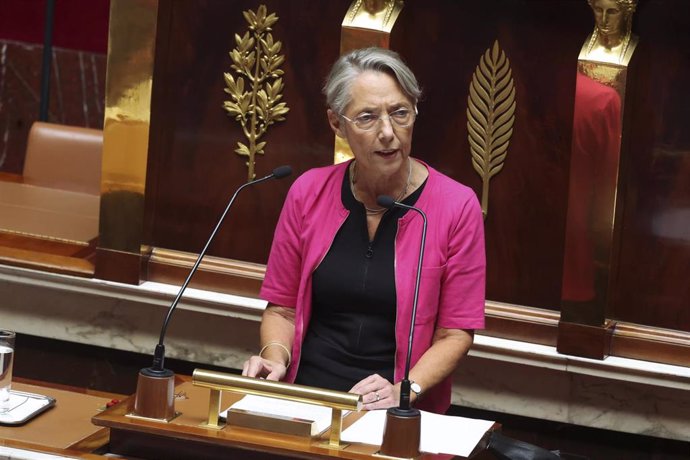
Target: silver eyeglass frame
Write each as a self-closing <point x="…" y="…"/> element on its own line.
<point x="384" y="117"/>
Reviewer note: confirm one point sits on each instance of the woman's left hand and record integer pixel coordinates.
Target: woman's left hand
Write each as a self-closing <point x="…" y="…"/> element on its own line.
<point x="377" y="392"/>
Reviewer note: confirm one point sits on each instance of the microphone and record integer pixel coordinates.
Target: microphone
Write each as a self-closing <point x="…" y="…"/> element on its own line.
<point x="403" y="423"/>
<point x="150" y="391"/>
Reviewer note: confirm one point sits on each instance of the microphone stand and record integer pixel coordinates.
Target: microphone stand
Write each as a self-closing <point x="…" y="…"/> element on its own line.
<point x="402" y="431"/>
<point x="154" y="397"/>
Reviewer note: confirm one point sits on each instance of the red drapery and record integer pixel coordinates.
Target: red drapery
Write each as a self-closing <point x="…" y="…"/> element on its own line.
<point x="78" y="24"/>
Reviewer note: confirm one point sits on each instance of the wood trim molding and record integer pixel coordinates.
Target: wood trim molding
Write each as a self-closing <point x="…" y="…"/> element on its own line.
<point x="651" y="344"/>
<point x="517" y="322"/>
<point x="47" y="254"/>
<point x="214" y="273"/>
<point x="54" y="263"/>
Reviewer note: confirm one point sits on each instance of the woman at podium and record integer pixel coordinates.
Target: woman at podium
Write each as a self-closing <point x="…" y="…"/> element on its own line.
<point x="341" y="274"/>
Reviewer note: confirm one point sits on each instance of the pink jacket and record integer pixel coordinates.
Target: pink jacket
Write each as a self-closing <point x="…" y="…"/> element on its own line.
<point x="451" y="291"/>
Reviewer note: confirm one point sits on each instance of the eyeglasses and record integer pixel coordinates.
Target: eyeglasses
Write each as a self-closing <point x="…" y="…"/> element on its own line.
<point x="401" y="118"/>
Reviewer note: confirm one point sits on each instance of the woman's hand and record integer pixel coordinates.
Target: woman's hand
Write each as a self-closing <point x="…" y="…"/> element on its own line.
<point x="377" y="392"/>
<point x="256" y="366"/>
<point x="277" y="332"/>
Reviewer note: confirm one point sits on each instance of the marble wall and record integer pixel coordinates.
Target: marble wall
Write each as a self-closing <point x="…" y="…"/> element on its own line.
<point x="76" y="94"/>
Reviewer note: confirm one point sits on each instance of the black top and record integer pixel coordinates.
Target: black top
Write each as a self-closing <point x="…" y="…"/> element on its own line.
<point x="351" y="334"/>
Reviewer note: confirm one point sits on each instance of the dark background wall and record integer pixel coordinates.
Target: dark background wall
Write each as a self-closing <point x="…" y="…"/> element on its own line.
<point x="78" y="24"/>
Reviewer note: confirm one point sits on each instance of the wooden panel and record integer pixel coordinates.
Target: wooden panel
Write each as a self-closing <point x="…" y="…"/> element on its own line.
<point x="67" y="258"/>
<point x="584" y="340"/>
<point x="652" y="286"/>
<point x="526" y="219"/>
<point x="122" y="267"/>
<point x="193" y="169"/>
<point x="45" y="245"/>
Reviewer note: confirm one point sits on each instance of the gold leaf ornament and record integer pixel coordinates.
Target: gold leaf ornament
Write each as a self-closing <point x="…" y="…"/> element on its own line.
<point x="490" y="116"/>
<point x="255" y="89"/>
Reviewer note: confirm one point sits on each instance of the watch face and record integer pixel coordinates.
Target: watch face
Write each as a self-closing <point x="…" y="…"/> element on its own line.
<point x="415" y="387"/>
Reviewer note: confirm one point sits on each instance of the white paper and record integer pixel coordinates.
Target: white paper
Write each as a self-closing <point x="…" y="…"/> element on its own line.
<point x="441" y="434"/>
<point x="367" y="430"/>
<point x="284" y="408"/>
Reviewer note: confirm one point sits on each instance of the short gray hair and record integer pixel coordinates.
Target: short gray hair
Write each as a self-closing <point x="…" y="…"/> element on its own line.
<point x="349" y="66"/>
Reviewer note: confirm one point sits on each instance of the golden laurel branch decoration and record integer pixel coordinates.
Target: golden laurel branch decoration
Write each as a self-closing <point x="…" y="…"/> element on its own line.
<point x="490" y="116"/>
<point x="256" y="59"/>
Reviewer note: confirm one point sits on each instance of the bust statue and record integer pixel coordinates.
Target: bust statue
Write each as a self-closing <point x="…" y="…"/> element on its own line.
<point x="612" y="40"/>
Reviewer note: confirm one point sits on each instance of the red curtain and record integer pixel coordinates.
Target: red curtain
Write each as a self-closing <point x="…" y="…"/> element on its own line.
<point x="77" y="24"/>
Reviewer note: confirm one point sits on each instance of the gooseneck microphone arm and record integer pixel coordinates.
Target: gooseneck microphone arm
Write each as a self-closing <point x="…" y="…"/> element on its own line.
<point x="388" y="202"/>
<point x="159" y="353"/>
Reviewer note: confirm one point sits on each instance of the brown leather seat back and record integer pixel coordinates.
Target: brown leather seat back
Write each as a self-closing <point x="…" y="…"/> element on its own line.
<point x="64" y="157"/>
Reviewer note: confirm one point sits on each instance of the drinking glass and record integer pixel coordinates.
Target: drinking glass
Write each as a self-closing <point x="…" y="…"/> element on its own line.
<point x="6" y="360"/>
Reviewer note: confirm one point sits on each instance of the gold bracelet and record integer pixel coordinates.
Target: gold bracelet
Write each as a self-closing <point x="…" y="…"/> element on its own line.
<point x="278" y="344"/>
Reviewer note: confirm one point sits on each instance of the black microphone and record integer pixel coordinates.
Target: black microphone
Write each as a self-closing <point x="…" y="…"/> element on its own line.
<point x="401" y="435"/>
<point x="157" y="370"/>
<point x="159" y="354"/>
<point x="388" y="202"/>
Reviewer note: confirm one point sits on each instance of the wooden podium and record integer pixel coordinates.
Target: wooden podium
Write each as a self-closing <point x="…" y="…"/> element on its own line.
<point x="185" y="437"/>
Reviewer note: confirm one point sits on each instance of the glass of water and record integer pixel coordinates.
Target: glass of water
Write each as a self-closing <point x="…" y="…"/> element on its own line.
<point x="6" y="360"/>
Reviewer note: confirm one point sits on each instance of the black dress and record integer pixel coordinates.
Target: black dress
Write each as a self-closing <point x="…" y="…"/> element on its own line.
<point x="351" y="333"/>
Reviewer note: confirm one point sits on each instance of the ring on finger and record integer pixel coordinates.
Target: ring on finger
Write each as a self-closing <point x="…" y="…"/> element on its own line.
<point x="378" y="396"/>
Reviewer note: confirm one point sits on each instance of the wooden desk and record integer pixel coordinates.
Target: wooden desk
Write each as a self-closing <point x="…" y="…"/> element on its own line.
<point x="48" y="212"/>
<point x="65" y="429"/>
<point x="47" y="229"/>
<point x="184" y="438"/>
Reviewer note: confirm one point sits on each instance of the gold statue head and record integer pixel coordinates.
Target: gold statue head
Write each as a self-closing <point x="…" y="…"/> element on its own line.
<point x="613" y="20"/>
<point x="375" y="6"/>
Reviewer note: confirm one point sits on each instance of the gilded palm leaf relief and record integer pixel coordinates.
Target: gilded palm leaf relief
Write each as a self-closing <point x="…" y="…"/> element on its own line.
<point x="490" y="116"/>
<point x="256" y="59"/>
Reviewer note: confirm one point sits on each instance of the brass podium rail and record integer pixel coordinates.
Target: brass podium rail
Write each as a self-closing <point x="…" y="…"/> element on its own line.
<point x="336" y="400"/>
